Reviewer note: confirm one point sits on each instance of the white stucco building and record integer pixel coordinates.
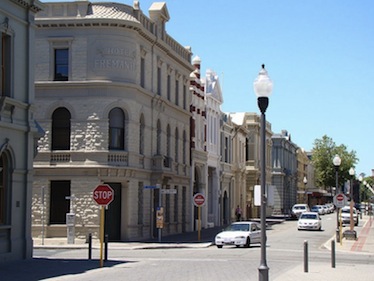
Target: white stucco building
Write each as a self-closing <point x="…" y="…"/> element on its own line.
<point x="18" y="129"/>
<point x="113" y="96"/>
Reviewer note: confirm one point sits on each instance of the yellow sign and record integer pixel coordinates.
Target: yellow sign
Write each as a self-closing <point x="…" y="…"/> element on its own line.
<point x="160" y="217"/>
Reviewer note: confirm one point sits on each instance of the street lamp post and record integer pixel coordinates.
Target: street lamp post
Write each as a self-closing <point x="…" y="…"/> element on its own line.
<point x="305" y="181"/>
<point x="351" y="173"/>
<point x="263" y="87"/>
<point x="337" y="161"/>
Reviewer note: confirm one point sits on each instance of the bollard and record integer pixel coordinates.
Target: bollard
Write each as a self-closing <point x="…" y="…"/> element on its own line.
<point x="106" y="247"/>
<point x="90" y="246"/>
<point x="305" y="256"/>
<point x="332" y="253"/>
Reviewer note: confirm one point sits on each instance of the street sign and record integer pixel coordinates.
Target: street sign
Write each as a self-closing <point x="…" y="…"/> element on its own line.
<point x="103" y="194"/>
<point x="169" y="191"/>
<point x="152" y="186"/>
<point x="199" y="199"/>
<point x="340" y="200"/>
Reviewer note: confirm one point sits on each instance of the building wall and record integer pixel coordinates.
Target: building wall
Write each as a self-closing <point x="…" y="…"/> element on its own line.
<point x="17" y="127"/>
<point x="285" y="173"/>
<point x="131" y="64"/>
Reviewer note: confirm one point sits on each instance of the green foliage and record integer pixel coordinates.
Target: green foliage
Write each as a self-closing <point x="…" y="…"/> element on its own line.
<point x="323" y="152"/>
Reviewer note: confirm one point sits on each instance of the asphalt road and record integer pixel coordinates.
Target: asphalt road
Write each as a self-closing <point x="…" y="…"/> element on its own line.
<point x="285" y="248"/>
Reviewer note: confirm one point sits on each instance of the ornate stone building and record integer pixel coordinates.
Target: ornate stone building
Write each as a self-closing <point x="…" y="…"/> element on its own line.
<point x="113" y="96"/>
<point x="250" y="122"/>
<point x="18" y="129"/>
<point x="285" y="172"/>
<point x="213" y="101"/>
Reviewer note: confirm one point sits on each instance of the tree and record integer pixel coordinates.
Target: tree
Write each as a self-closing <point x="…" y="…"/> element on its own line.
<point x="323" y="152"/>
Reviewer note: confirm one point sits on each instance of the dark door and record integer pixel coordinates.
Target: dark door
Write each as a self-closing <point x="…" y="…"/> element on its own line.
<point x="113" y="215"/>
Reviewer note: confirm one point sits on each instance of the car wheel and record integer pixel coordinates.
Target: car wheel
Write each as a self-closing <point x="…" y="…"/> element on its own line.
<point x="248" y="243"/>
<point x="219" y="246"/>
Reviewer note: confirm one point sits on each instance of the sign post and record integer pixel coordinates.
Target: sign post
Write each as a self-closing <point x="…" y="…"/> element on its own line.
<point x="199" y="200"/>
<point x="340" y="200"/>
<point x="103" y="195"/>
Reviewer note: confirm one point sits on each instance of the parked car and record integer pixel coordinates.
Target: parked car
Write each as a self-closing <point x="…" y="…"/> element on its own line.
<point x="346" y="215"/>
<point x="309" y="221"/>
<point x="318" y="209"/>
<point x="298" y="209"/>
<point x="243" y="233"/>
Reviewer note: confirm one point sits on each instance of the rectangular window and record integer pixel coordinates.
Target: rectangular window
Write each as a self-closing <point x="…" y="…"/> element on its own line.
<point x="184" y="97"/>
<point x="6" y="56"/>
<point x="176" y="205"/>
<point x="142" y="72"/>
<point x="168" y="88"/>
<point x="4" y="204"/>
<point x="176" y="92"/>
<point x="61" y="65"/>
<point x="140" y="203"/>
<point x="59" y="204"/>
<point x="159" y="81"/>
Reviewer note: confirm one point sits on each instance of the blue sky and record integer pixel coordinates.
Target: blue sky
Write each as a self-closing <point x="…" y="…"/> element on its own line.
<point x="319" y="54"/>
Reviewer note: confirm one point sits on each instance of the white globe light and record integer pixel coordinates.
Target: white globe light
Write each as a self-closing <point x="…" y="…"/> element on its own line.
<point x="263" y="86"/>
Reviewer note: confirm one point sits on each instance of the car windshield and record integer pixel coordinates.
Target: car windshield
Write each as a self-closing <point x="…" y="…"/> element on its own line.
<point x="309" y="216"/>
<point x="238" y="227"/>
<point x="347" y="210"/>
<point x="299" y="207"/>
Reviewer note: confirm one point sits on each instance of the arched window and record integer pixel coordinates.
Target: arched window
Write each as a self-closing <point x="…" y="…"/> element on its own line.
<point x="176" y="145"/>
<point x="141" y="135"/>
<point x="158" y="149"/>
<point x="61" y="129"/>
<point x="116" y="129"/>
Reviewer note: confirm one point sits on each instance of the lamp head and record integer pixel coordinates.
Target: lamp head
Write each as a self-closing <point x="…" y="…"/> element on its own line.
<point x="337" y="161"/>
<point x="262" y="85"/>
<point x="351" y="172"/>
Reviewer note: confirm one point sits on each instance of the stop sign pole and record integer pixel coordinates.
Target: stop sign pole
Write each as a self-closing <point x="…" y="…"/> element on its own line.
<point x="199" y="200"/>
<point x="103" y="195"/>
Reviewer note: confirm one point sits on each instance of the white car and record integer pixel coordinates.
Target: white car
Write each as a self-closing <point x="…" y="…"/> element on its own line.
<point x="243" y="233"/>
<point x="309" y="221"/>
<point x="298" y="209"/>
<point x="346" y="215"/>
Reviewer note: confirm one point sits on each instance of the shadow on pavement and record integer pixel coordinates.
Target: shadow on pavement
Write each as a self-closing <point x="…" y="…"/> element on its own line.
<point x="41" y="268"/>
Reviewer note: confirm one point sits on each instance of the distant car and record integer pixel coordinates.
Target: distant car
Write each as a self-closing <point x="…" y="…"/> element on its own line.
<point x="318" y="209"/>
<point x="309" y="221"/>
<point x="298" y="209"/>
<point x="346" y="215"/>
<point x="243" y="233"/>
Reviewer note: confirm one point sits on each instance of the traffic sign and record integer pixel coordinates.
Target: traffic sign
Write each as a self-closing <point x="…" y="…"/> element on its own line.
<point x="169" y="191"/>
<point x="199" y="199"/>
<point x="103" y="194"/>
<point x="340" y="200"/>
<point x="152" y="186"/>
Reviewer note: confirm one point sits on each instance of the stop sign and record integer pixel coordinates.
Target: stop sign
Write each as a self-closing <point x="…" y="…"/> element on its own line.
<point x="340" y="200"/>
<point x="199" y="199"/>
<point x="103" y="194"/>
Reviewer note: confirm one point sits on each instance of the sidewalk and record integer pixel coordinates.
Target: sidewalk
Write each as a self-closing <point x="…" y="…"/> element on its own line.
<point x="183" y="240"/>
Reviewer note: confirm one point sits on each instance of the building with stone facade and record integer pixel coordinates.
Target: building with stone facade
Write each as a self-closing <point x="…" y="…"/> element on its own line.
<point x="118" y="106"/>
<point x="227" y="182"/>
<point x="213" y="102"/>
<point x="302" y="176"/>
<point x="18" y="129"/>
<point x="251" y="123"/>
<point x="285" y="173"/>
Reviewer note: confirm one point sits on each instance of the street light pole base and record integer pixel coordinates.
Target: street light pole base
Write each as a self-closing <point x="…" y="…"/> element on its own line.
<point x="263" y="271"/>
